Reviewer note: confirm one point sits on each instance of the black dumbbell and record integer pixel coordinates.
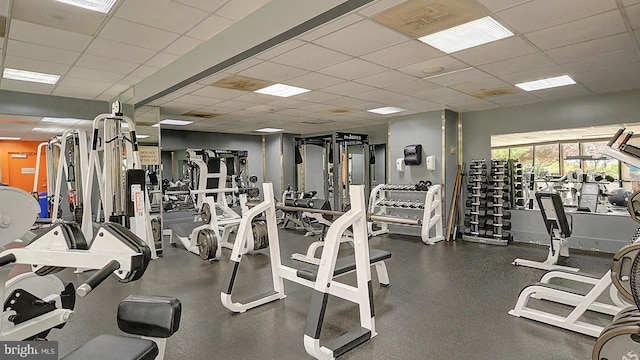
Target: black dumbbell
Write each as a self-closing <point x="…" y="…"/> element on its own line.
<point x="488" y="233"/>
<point x="467" y="222"/>
<point x="506" y="225"/>
<point x="518" y="193"/>
<point x="506" y="205"/>
<point x="520" y="202"/>
<point x="506" y="214"/>
<point x="490" y="222"/>
<point x="490" y="212"/>
<point x="467" y="231"/>
<point x="506" y="235"/>
<point x="518" y="186"/>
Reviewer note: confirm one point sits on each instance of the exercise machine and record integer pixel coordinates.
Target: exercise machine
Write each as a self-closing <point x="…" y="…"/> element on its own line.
<point x="154" y="318"/>
<point x="600" y="297"/>
<point x="559" y="229"/>
<point x="321" y="278"/>
<point x="114" y="160"/>
<point x="36" y="301"/>
<point x="346" y="160"/>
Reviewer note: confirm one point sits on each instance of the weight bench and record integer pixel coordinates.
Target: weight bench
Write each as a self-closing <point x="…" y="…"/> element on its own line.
<point x="559" y="230"/>
<point x="346" y="265"/>
<point x="155" y="318"/>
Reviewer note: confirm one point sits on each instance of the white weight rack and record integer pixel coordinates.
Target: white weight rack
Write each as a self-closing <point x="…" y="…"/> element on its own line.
<point x="431" y="210"/>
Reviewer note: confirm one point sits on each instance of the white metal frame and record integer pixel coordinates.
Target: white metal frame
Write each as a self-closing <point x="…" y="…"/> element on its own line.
<point x="325" y="283"/>
<point x="107" y="174"/>
<point x="431" y="214"/>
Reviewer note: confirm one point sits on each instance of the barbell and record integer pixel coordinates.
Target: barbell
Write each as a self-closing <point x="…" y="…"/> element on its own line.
<point x="370" y="216"/>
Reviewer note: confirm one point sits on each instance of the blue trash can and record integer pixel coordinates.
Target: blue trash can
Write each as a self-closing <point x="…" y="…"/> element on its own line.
<point x="44" y="204"/>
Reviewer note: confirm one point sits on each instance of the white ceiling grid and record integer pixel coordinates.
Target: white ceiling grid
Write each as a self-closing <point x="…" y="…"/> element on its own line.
<point x="351" y="64"/>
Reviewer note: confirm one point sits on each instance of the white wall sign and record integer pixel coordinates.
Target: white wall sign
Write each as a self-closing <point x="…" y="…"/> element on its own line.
<point x="149" y="155"/>
<point x="28" y="170"/>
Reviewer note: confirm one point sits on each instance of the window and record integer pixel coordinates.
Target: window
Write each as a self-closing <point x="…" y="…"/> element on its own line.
<point x="570" y="149"/>
<point x="610" y="167"/>
<point x="500" y="153"/>
<point x="547" y="160"/>
<point x="524" y="154"/>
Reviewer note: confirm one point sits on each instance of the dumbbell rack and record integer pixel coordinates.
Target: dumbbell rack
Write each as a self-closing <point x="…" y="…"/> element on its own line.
<point x="485" y="216"/>
<point x="428" y="202"/>
<point x="501" y="192"/>
<point x="518" y="201"/>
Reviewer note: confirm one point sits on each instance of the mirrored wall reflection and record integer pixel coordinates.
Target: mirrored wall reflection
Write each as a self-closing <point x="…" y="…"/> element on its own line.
<point x="565" y="160"/>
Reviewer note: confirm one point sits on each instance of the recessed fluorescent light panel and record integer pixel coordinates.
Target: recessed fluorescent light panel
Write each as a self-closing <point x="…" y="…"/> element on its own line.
<point x="102" y="6"/>
<point x="24" y="75"/>
<point x="174" y="122"/>
<point x="282" y="90"/>
<point x="387" y="110"/>
<point x="269" y="130"/>
<point x="48" y="130"/>
<point x="139" y="136"/>
<point x="465" y="36"/>
<point x="546" y="83"/>
<point x="9" y="138"/>
<point x="60" y="120"/>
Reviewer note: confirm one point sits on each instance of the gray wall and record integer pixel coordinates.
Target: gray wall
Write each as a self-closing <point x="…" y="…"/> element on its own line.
<point x="177" y="140"/>
<point x="273" y="147"/>
<point x="604" y="232"/>
<point x="425" y="129"/>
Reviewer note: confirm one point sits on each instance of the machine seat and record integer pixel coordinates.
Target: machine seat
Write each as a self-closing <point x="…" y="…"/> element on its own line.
<point x="344" y="265"/>
<point x="113" y="347"/>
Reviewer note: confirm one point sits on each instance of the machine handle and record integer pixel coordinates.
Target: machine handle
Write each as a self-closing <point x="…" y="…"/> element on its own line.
<point x="98" y="278"/>
<point x="7" y="259"/>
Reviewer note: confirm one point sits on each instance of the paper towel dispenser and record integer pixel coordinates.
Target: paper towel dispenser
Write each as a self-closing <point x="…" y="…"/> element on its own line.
<point x="413" y="154"/>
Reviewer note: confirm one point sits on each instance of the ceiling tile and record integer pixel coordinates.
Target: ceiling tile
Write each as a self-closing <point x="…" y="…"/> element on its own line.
<point x="162" y="14"/>
<point x="533" y="74"/>
<point x="590" y="48"/>
<point x="331" y="26"/>
<point x="47" y="36"/>
<point x="183" y="45"/>
<point x="347" y="88"/>
<point x="91" y="74"/>
<point x="80" y="93"/>
<point x="495" y="51"/>
<point x="272" y="72"/>
<point x="119" y="51"/>
<point x="378" y="6"/>
<point x="4" y="8"/>
<point x="24" y="86"/>
<point x="593" y="27"/>
<point x="476" y="106"/>
<point x="515" y="99"/>
<point x="206" y="5"/>
<point x="84" y="84"/>
<point x="596" y="63"/>
<point x="406" y="53"/>
<point x="352" y="69"/>
<point x="630" y="2"/>
<point x="196" y="100"/>
<point x="190" y="88"/>
<point x="280" y="49"/>
<point x="256" y="98"/>
<point x="385" y="79"/>
<point x="219" y="93"/>
<point x="361" y="38"/>
<point x="237" y="105"/>
<point x="237" y="10"/>
<point x="442" y="95"/>
<point x="562" y="92"/>
<point x="540" y="14"/>
<point x="34" y="51"/>
<point x="316" y="96"/>
<point x="426" y="68"/>
<point x="209" y="27"/>
<point x="310" y="57"/>
<point x="111" y="65"/>
<point x="413" y="88"/>
<point x="138" y="35"/>
<point x="497" y="5"/>
<point x="518" y="64"/>
<point x="314" y="81"/>
<point x="634" y="16"/>
<point x="458" y="77"/>
<point x="58" y="15"/>
<point x="144" y="71"/>
<point x="161" y="60"/>
<point x="411" y="103"/>
<point x="472" y="87"/>
<point x="243" y="65"/>
<point x="35" y="65"/>
<point x="129" y="80"/>
<point x="612" y="78"/>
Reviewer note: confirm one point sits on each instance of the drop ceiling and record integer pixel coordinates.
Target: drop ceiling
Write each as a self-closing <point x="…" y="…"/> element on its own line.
<point x="351" y="64"/>
<point x="577" y="134"/>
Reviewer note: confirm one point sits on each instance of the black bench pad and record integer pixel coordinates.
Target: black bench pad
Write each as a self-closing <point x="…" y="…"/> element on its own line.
<point x="343" y="265"/>
<point x="113" y="347"/>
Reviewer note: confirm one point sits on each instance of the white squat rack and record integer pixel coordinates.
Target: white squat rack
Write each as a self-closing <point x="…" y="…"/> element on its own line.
<point x="380" y="203"/>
